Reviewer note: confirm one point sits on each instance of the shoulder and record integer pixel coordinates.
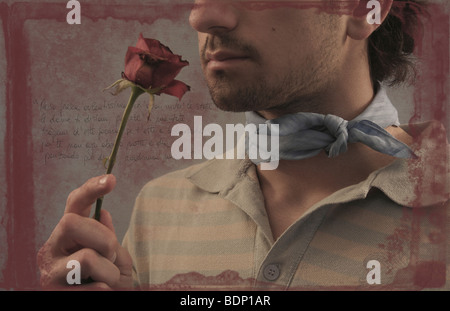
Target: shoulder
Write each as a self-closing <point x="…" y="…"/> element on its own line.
<point x="422" y="181"/>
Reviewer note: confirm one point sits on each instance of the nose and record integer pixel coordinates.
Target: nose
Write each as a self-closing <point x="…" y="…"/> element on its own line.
<point x="214" y="16"/>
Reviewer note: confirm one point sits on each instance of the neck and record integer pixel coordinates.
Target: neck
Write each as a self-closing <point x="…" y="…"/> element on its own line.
<point x="296" y="185"/>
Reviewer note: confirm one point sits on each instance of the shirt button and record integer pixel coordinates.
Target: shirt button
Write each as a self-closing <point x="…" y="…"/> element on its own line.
<point x="271" y="272"/>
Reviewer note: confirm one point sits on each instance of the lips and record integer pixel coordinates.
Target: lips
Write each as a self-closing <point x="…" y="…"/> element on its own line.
<point x="223" y="59"/>
<point x="223" y="55"/>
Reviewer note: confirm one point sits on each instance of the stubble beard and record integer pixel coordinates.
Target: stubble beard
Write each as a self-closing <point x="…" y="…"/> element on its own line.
<point x="295" y="92"/>
<point x="229" y="95"/>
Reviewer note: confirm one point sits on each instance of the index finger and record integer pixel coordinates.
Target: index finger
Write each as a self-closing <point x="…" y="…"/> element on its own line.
<point x="81" y="199"/>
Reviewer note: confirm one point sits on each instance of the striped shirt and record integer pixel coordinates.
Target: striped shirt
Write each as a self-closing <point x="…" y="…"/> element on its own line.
<point x="205" y="227"/>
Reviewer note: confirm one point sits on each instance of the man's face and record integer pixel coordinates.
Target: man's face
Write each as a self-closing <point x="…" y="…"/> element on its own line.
<point x="278" y="57"/>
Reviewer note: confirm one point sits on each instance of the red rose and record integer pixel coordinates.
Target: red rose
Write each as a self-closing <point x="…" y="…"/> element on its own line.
<point x="152" y="65"/>
<point x="151" y="68"/>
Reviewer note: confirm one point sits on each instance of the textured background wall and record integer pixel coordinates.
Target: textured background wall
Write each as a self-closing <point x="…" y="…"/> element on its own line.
<point x="57" y="123"/>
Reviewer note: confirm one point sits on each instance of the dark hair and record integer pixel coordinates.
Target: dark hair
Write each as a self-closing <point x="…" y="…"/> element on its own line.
<point x="390" y="47"/>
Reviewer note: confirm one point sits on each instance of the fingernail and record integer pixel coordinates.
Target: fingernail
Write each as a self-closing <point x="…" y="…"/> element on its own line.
<point x="103" y="180"/>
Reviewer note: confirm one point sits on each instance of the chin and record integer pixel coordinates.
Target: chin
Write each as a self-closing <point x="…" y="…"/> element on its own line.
<point x="232" y="96"/>
<point x="229" y="105"/>
<point x="225" y="99"/>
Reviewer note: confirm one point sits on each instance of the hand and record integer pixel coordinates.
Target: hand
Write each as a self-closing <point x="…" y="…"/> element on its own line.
<point x="92" y="243"/>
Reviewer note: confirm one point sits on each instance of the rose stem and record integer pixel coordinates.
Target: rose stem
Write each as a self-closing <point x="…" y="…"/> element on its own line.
<point x="135" y="93"/>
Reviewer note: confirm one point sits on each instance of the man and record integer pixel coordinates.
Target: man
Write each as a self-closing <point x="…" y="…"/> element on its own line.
<point x="315" y="221"/>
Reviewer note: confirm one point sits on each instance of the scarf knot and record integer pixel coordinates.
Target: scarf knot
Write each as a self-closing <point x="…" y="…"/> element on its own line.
<point x="338" y="129"/>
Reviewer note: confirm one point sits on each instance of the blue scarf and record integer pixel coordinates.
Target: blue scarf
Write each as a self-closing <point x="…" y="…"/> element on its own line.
<point x="304" y="135"/>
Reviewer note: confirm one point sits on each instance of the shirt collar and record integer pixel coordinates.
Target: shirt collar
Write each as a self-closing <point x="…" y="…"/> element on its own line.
<point x="408" y="182"/>
<point x="237" y="182"/>
<point x="378" y="108"/>
<point x="423" y="181"/>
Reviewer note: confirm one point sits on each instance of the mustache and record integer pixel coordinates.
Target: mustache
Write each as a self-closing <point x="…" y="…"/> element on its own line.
<point x="229" y="42"/>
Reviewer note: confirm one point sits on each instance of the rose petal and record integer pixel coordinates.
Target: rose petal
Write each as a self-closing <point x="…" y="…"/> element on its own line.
<point x="132" y="63"/>
<point x="166" y="72"/>
<point x="176" y="88"/>
<point x="153" y="46"/>
<point x="145" y="76"/>
<point x="145" y="44"/>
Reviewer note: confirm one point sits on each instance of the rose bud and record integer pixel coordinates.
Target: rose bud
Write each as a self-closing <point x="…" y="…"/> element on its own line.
<point x="152" y="65"/>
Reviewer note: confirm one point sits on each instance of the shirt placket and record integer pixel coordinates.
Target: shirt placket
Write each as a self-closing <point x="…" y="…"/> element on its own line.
<point x="281" y="262"/>
<point x="275" y="262"/>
